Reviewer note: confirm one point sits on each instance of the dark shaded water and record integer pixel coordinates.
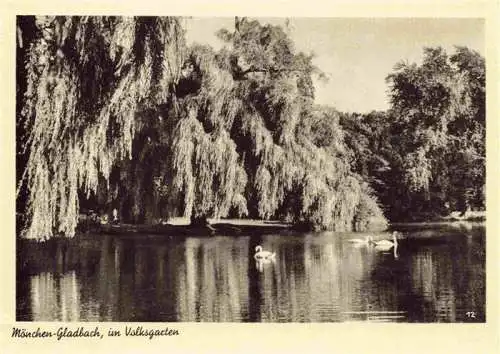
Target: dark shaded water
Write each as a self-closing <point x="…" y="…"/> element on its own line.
<point x="436" y="275"/>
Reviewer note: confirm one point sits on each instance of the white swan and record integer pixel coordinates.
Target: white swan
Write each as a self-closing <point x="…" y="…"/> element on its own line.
<point x="385" y="245"/>
<point x="263" y="255"/>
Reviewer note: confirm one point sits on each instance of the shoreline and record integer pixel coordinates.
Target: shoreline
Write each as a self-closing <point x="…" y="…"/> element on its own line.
<point x="226" y="228"/>
<point x="180" y="227"/>
<point x="236" y="227"/>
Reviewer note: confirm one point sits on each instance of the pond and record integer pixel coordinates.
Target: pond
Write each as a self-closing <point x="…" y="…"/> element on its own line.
<point x="436" y="274"/>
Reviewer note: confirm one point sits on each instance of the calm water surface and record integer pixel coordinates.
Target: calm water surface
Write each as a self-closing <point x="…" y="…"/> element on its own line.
<point x="436" y="275"/>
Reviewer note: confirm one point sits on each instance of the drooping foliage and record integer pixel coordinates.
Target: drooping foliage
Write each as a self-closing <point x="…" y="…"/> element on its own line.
<point x="237" y="145"/>
<point x="291" y="172"/>
<point x="354" y="203"/>
<point x="87" y="78"/>
<point x="119" y="113"/>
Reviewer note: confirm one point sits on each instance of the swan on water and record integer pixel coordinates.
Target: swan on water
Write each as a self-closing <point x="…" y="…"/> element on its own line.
<point x="263" y="255"/>
<point x="386" y="244"/>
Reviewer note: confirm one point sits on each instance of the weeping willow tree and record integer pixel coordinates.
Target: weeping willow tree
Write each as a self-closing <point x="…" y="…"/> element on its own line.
<point x="248" y="122"/>
<point x="86" y="81"/>
<point x="120" y="110"/>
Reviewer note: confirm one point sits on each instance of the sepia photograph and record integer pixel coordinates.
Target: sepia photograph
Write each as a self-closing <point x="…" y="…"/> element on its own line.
<point x="250" y="169"/>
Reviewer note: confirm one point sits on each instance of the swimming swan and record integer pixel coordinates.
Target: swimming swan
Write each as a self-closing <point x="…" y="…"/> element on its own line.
<point x="386" y="244"/>
<point x="263" y="255"/>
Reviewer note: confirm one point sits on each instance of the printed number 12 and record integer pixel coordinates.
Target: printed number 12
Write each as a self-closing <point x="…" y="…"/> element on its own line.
<point x="470" y="314"/>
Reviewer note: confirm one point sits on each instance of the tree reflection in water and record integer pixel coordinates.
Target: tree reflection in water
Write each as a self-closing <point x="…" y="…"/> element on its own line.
<point x="315" y="277"/>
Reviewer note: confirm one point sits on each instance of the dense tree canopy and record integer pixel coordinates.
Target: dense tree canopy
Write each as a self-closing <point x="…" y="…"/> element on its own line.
<point x="256" y="96"/>
<point x="119" y="113"/>
<point x="426" y="155"/>
<point x="86" y="81"/>
<point x="440" y="118"/>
